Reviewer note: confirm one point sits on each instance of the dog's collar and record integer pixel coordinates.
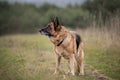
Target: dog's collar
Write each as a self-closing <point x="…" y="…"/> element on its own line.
<point x="60" y="42"/>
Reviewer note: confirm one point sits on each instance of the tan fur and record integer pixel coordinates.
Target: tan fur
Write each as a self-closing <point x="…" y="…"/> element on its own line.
<point x="67" y="49"/>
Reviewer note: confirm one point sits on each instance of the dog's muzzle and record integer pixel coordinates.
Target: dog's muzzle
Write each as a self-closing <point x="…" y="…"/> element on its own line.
<point x="44" y="32"/>
<point x="41" y="32"/>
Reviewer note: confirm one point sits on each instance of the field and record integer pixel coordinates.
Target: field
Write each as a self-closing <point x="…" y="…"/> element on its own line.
<point x="31" y="57"/>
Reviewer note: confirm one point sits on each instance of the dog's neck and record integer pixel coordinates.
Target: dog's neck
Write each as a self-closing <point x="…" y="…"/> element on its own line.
<point x="57" y="39"/>
<point x="60" y="42"/>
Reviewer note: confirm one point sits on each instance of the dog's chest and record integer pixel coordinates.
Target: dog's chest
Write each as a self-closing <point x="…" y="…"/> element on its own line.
<point x="65" y="54"/>
<point x="62" y="52"/>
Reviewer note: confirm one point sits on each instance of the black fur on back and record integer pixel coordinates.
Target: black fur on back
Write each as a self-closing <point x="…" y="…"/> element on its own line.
<point x="78" y="40"/>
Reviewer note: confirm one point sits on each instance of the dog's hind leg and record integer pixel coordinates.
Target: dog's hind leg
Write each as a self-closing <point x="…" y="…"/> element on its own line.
<point x="72" y="64"/>
<point x="80" y="63"/>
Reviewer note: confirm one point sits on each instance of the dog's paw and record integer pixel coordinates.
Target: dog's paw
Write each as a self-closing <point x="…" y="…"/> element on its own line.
<point x="81" y="74"/>
<point x="55" y="73"/>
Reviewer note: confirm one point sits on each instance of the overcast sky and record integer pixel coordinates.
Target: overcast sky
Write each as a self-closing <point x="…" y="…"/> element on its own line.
<point x="56" y="2"/>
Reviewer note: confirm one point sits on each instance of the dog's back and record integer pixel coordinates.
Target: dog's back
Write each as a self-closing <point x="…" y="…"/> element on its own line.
<point x="77" y="38"/>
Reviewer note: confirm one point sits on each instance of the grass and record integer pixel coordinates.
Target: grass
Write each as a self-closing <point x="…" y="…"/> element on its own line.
<point x="103" y="50"/>
<point x="31" y="57"/>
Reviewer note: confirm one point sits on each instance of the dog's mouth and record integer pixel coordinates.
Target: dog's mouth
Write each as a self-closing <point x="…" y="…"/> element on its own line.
<point x="45" y="33"/>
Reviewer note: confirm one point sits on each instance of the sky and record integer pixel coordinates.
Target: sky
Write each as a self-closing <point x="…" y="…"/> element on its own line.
<point x="56" y="2"/>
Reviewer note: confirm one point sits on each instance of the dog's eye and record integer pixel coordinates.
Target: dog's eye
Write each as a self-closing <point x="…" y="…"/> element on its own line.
<point x="49" y="28"/>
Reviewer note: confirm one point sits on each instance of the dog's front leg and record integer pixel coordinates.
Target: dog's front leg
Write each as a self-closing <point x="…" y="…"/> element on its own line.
<point x="58" y="59"/>
<point x="72" y="63"/>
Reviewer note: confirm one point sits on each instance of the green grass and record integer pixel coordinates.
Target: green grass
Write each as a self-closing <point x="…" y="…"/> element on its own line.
<point x="31" y="57"/>
<point x="102" y="50"/>
<point x="106" y="61"/>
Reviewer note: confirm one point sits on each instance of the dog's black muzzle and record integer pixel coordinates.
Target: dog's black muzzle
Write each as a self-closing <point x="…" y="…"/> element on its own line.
<point x="44" y="32"/>
<point x="41" y="31"/>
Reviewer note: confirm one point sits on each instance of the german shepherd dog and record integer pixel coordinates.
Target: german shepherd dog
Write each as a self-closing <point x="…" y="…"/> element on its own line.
<point x="67" y="44"/>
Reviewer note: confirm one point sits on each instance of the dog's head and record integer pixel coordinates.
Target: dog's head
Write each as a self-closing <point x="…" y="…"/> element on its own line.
<point x="52" y="28"/>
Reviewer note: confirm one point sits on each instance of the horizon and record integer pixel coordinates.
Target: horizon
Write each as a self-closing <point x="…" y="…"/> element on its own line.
<point x="59" y="3"/>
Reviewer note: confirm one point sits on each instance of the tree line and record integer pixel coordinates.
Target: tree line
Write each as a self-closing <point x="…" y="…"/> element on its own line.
<point x="27" y="18"/>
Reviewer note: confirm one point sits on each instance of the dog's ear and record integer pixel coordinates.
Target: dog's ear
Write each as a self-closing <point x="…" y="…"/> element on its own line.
<point x="57" y="24"/>
<point x="53" y="20"/>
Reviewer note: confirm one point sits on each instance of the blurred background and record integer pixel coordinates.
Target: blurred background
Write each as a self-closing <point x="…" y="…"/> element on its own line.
<point x="26" y="16"/>
<point x="26" y="55"/>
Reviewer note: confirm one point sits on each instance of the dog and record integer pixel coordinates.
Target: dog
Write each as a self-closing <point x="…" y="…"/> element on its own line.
<point x="67" y="44"/>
